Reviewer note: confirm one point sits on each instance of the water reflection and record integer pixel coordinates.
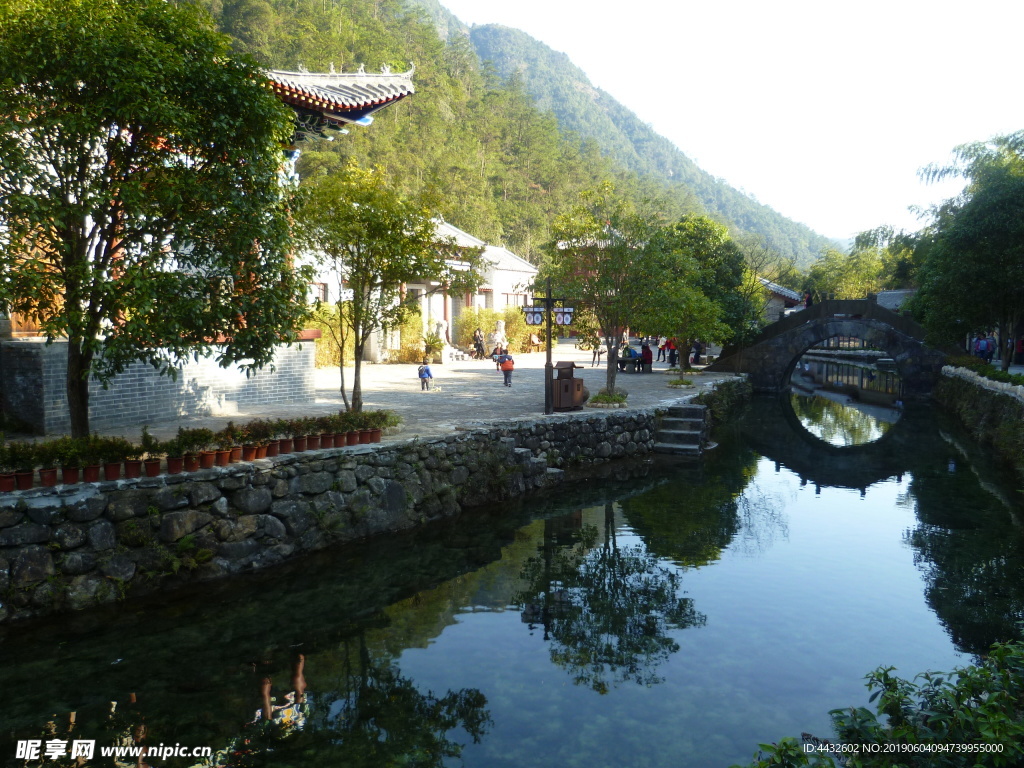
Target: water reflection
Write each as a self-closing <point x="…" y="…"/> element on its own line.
<point x="846" y="402"/>
<point x="694" y="609"/>
<point x="606" y="609"/>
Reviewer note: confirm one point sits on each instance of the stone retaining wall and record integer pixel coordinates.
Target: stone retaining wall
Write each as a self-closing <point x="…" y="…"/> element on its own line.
<point x="71" y="547"/>
<point x="992" y="411"/>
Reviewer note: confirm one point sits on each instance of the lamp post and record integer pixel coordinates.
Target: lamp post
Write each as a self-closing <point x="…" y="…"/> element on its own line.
<point x="535" y="315"/>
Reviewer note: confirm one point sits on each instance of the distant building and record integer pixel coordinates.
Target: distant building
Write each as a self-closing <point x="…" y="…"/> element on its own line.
<point x="779" y="300"/>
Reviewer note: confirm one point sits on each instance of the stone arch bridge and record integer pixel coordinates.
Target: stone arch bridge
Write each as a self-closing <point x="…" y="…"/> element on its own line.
<point x="770" y="358"/>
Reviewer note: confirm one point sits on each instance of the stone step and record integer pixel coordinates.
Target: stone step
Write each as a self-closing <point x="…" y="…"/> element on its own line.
<point x="677" y="449"/>
<point x="680" y="436"/>
<point x="688" y="411"/>
<point x="670" y="422"/>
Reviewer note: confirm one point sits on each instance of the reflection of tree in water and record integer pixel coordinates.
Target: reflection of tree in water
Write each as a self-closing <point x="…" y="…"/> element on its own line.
<point x="972" y="558"/>
<point x="370" y="716"/>
<point x="606" y="609"/>
<point x="697" y="514"/>
<point x="835" y="423"/>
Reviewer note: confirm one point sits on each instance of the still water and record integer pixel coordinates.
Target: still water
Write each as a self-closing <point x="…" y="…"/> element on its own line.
<point x="664" y="615"/>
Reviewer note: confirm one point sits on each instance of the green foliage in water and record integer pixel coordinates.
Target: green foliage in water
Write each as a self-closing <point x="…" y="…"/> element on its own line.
<point x="970" y="717"/>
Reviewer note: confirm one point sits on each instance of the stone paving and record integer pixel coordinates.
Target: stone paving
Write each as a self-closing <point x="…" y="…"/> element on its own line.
<point x="463" y="392"/>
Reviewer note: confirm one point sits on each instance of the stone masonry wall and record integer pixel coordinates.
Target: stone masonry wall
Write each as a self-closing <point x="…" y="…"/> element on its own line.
<point x="32" y="376"/>
<point x="71" y="547"/>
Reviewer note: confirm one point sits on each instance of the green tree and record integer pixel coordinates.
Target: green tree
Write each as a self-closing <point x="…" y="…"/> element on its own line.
<point x="374" y="240"/>
<point x="611" y="259"/>
<point x="845" y="276"/>
<point x="972" y="276"/>
<point x="705" y="258"/>
<point x="144" y="217"/>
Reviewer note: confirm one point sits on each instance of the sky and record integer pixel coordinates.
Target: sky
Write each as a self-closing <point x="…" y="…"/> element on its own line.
<point x="823" y="110"/>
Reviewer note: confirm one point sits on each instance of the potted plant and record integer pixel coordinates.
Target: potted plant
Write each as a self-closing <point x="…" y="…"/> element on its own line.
<point x="283" y="431"/>
<point x="175" y="455"/>
<point x="68" y="453"/>
<point x="225" y="442"/>
<point x="260" y="433"/>
<point x="114" y="451"/>
<point x="46" y="460"/>
<point x="6" y="470"/>
<point x="232" y="437"/>
<point x="21" y="457"/>
<point x="152" y="450"/>
<point x="91" y="448"/>
<point x="133" y="460"/>
<point x="195" y="446"/>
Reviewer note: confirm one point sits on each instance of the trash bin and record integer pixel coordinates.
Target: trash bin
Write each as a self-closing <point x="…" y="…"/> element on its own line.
<point x="566" y="390"/>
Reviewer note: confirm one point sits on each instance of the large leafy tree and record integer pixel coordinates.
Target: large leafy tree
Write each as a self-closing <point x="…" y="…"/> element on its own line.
<point x="143" y="215"/>
<point x="612" y="261"/>
<point x="972" y="274"/>
<point x="374" y="240"/>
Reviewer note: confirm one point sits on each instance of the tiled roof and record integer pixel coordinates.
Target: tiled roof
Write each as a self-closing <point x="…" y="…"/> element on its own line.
<point x="780" y="290"/>
<point x="499" y="256"/>
<point x="345" y="96"/>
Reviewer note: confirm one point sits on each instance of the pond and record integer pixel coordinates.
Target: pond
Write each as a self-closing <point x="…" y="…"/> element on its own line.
<point x="660" y="614"/>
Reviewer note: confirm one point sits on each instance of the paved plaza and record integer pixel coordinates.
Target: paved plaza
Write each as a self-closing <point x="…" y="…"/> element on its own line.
<point x="463" y="392"/>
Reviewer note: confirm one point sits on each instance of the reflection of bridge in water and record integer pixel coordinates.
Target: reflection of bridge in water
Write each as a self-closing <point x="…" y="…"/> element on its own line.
<point x="775" y="431"/>
<point x="770" y="358"/>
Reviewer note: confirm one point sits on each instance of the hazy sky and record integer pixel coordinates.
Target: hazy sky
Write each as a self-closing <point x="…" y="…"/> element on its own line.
<point x="823" y="110"/>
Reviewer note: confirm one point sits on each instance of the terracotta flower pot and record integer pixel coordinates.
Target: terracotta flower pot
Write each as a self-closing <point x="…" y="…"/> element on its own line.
<point x="352" y="438"/>
<point x="7" y="482"/>
<point x="112" y="470"/>
<point x="48" y="477"/>
<point x="326" y="441"/>
<point x="23" y="480"/>
<point x="313" y="443"/>
<point x="273" y="448"/>
<point x="152" y="467"/>
<point x="223" y="458"/>
<point x="375" y="435"/>
<point x="175" y="464"/>
<point x="261" y="451"/>
<point x="132" y="468"/>
<point x="193" y="462"/>
<point x="207" y="459"/>
<point x="70" y="475"/>
<point x="91" y="473"/>
<point x="365" y="436"/>
<point x="286" y="445"/>
<point x="299" y="443"/>
<point x="248" y="452"/>
<point x="236" y="454"/>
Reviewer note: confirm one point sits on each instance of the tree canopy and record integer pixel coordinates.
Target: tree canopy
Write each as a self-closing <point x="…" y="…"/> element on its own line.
<point x="972" y="268"/>
<point x="374" y="240"/>
<point x="143" y="212"/>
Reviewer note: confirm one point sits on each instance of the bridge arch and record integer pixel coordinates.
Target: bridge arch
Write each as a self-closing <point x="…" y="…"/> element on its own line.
<point x="769" y="360"/>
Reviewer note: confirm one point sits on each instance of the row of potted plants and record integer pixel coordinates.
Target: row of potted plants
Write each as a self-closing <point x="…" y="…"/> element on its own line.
<point x="91" y="458"/>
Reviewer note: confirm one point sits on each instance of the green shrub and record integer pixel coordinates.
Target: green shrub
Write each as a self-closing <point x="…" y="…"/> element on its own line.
<point x="920" y="723"/>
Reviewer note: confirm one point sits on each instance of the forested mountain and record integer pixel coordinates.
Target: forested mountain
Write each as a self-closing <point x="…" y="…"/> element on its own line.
<point x="495" y="159"/>
<point x="558" y="86"/>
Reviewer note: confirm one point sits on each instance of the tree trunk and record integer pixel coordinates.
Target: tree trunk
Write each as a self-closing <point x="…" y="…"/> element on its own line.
<point x="357" y="384"/>
<point x="79" y="363"/>
<point x="613" y="366"/>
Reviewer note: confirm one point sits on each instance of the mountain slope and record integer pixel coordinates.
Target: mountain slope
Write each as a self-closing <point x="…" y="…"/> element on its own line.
<point x="561" y="88"/>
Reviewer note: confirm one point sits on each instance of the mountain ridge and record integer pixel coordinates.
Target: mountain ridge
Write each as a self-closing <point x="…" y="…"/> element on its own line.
<point x="560" y="87"/>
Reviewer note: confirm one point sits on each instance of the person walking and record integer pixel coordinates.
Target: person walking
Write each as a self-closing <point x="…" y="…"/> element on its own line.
<point x="507" y="365"/>
<point x="426" y="377"/>
<point x="662" y="349"/>
<point x="478" y="344"/>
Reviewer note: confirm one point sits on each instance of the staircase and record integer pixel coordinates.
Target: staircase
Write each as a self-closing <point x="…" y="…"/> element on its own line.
<point x="683" y="431"/>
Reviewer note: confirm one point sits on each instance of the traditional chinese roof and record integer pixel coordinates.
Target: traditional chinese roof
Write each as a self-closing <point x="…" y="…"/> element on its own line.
<point x="779" y="290"/>
<point x="340" y="97"/>
<point x="498" y="256"/>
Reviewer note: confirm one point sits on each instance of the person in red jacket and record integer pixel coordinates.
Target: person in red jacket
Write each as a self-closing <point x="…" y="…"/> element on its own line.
<point x="646" y="358"/>
<point x="507" y="365"/>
